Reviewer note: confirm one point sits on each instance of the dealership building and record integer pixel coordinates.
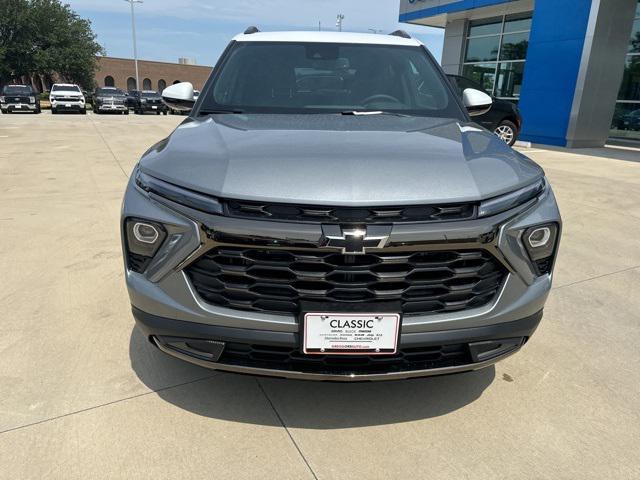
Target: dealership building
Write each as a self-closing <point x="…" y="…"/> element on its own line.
<point x="121" y="73"/>
<point x="573" y="66"/>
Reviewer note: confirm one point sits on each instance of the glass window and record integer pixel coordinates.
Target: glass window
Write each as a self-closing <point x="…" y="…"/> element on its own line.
<point x="517" y="23"/>
<point x="514" y="46"/>
<point x="634" y="45"/>
<point x="626" y="121"/>
<point x="490" y="26"/>
<point x="482" y="73"/>
<point x="499" y="56"/>
<point x="509" y="80"/>
<point x="483" y="49"/>
<point x="630" y="88"/>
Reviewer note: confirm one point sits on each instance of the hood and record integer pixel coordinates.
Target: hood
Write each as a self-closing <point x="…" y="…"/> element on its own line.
<point x="67" y="93"/>
<point x="339" y="160"/>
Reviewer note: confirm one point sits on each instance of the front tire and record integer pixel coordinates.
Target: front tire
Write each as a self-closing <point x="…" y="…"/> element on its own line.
<point x="507" y="132"/>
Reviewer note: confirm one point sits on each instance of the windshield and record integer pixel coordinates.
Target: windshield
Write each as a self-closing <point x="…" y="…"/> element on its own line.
<point x="109" y="91"/>
<point x="66" y="88"/>
<point x="17" y="90"/>
<point x="149" y="94"/>
<point x="278" y="77"/>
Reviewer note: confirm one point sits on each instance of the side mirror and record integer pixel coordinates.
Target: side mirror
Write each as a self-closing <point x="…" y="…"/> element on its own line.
<point x="179" y="96"/>
<point x="477" y="102"/>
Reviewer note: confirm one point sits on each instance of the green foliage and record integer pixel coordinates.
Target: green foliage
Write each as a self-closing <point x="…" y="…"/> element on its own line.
<point x="45" y="37"/>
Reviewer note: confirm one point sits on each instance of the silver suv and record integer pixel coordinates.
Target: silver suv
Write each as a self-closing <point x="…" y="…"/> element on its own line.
<point x="329" y="211"/>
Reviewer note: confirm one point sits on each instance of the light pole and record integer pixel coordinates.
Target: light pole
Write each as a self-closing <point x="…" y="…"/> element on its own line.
<point x="339" y="20"/>
<point x="133" y="32"/>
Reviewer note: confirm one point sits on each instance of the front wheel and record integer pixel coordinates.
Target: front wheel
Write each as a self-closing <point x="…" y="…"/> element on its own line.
<point x="83" y="111"/>
<point x="507" y="131"/>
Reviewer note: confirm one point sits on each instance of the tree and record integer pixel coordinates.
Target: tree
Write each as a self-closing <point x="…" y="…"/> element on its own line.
<point x="45" y="37"/>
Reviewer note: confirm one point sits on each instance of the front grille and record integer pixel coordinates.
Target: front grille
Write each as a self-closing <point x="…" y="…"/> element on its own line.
<point x="17" y="99"/>
<point x="269" y="280"/>
<point x="291" y="359"/>
<point x="319" y="214"/>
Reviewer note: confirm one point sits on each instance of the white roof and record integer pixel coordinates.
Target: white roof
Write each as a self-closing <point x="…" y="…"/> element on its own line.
<point x="327" y="37"/>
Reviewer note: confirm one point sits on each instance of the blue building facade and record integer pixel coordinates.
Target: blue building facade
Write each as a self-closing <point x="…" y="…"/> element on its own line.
<point x="573" y="66"/>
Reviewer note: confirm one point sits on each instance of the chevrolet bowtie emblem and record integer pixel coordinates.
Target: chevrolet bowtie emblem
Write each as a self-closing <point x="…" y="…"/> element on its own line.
<point x="355" y="241"/>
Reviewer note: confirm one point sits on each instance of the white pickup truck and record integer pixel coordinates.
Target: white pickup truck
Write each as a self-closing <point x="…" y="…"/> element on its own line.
<point x="67" y="97"/>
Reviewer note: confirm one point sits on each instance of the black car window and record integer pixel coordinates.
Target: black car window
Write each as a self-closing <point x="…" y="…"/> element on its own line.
<point x="288" y="77"/>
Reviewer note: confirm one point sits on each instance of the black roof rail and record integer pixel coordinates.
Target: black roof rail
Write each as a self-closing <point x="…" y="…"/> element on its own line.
<point x="400" y="33"/>
<point x="251" y="30"/>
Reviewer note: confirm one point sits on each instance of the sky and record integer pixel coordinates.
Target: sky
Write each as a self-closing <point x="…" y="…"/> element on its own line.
<point x="201" y="29"/>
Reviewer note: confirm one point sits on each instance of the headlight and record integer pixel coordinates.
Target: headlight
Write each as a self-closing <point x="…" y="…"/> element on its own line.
<point x="511" y="200"/>
<point x="2" y="100"/>
<point x="144" y="100"/>
<point x="540" y="242"/>
<point x="32" y="99"/>
<point x="180" y="195"/>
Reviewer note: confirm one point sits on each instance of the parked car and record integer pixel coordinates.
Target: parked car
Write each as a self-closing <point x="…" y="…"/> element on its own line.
<point x="19" y="98"/>
<point x="131" y="99"/>
<point x="148" y="101"/>
<point x="503" y="119"/>
<point x="301" y="225"/>
<point x="631" y="121"/>
<point x="173" y="111"/>
<point x="67" y="97"/>
<point x="110" y="99"/>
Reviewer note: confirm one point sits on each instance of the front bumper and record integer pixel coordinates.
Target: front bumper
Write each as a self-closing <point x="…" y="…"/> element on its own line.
<point x="112" y="108"/>
<point x="71" y="106"/>
<point x="19" y="107"/>
<point x="164" y="291"/>
<point x="474" y="348"/>
<point x="153" y="108"/>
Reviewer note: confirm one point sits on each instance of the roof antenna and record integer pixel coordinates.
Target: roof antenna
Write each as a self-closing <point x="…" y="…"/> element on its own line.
<point x="251" y="30"/>
<point x="400" y="33"/>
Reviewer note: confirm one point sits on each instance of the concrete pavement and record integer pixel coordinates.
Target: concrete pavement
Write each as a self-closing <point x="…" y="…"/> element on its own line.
<point x="83" y="395"/>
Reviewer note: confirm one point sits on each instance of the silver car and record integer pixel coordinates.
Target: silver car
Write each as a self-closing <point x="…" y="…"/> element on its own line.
<point x="329" y="211"/>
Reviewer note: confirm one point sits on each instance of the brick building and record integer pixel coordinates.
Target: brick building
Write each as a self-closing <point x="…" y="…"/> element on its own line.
<point x="121" y="73"/>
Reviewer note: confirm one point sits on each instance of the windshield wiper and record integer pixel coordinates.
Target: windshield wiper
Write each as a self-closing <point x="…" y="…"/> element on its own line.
<point x="374" y="112"/>
<point x="219" y="112"/>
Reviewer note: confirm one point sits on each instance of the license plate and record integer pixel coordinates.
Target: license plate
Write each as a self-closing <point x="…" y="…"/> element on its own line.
<point x="67" y="104"/>
<point x="351" y="334"/>
<point x="18" y="106"/>
<point x="154" y="107"/>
